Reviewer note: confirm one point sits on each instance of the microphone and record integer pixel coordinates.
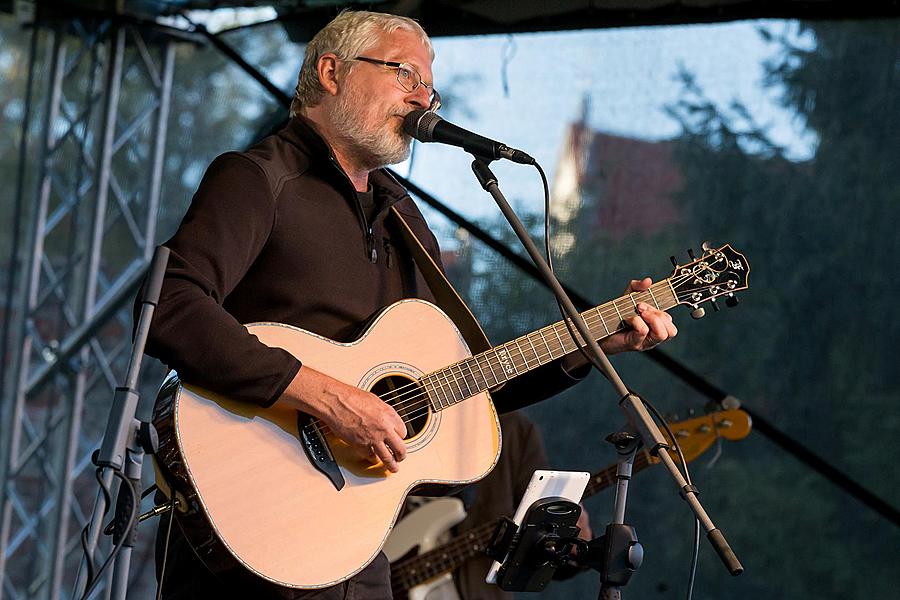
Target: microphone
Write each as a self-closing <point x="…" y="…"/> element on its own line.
<point x="426" y="126"/>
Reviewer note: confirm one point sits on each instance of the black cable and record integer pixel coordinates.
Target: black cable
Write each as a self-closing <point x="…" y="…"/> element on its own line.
<point x="150" y="489"/>
<point x="132" y="517"/>
<point x="107" y="501"/>
<point x="162" y="571"/>
<point x="549" y="254"/>
<point x="695" y="554"/>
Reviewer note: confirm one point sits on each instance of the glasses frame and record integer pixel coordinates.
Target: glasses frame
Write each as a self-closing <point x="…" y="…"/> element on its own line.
<point x="435" y="96"/>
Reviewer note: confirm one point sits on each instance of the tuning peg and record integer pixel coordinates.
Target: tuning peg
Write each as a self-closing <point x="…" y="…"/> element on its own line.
<point x="706" y="247"/>
<point x="731" y="301"/>
<point x="698" y="313"/>
<point x="691" y="254"/>
<point x="714" y="305"/>
<point x="674" y="262"/>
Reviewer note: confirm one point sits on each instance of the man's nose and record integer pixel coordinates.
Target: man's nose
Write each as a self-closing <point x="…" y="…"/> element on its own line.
<point x="420" y="97"/>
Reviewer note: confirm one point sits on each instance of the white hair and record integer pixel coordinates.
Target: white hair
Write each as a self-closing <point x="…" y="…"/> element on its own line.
<point x="349" y="35"/>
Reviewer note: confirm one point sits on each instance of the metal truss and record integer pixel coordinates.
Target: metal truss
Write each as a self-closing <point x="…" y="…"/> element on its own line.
<point x="100" y="93"/>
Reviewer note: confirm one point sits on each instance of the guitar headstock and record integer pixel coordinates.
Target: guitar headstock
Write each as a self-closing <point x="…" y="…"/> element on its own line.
<point x="696" y="435"/>
<point x="719" y="272"/>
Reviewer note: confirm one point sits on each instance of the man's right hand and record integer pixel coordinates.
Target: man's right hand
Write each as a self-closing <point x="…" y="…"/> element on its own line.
<point x="372" y="428"/>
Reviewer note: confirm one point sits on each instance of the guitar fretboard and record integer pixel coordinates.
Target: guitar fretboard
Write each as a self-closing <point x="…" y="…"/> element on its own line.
<point x="498" y="365"/>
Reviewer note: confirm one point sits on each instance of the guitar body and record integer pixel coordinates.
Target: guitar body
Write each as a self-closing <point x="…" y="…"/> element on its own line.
<point x="243" y="468"/>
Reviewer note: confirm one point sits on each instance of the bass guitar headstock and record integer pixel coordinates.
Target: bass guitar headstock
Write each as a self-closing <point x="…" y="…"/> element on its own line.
<point x="696" y="435"/>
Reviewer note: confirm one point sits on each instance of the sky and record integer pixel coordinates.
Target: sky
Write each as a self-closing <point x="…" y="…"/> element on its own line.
<point x="525" y="90"/>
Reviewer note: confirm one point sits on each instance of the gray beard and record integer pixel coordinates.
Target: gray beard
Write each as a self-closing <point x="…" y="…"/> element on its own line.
<point x="369" y="148"/>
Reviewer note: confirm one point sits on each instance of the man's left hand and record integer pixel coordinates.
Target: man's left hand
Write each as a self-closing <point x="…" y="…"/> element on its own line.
<point x="648" y="328"/>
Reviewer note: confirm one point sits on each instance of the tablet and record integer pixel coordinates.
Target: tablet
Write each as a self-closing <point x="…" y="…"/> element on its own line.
<point x="544" y="484"/>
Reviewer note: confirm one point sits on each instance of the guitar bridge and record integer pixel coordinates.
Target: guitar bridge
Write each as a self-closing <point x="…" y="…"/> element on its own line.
<point x="318" y="452"/>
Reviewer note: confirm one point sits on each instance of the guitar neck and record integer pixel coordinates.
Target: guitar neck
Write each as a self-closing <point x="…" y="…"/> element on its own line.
<point x="498" y="365"/>
<point x="408" y="573"/>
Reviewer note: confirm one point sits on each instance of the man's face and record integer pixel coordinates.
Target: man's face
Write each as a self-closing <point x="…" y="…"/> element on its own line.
<point x="370" y="106"/>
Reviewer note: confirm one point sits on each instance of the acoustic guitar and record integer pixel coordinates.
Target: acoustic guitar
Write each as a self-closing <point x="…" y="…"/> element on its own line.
<point x="274" y="491"/>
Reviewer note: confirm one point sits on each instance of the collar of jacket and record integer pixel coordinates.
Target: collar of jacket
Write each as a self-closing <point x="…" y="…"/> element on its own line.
<point x="300" y="133"/>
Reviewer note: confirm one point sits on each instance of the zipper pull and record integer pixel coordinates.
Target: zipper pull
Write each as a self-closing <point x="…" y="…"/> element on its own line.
<point x="373" y="253"/>
<point x="387" y="252"/>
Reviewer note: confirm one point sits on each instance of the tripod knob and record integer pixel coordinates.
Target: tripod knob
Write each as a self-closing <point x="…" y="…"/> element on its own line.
<point x="635" y="555"/>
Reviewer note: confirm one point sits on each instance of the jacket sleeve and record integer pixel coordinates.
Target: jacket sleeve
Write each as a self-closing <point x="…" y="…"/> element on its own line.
<point x="224" y="230"/>
<point x="539" y="384"/>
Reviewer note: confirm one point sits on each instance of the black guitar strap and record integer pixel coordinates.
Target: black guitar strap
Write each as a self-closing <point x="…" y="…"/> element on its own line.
<point x="446" y="296"/>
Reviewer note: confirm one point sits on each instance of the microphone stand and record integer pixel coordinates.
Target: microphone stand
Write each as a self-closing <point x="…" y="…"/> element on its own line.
<point x="630" y="403"/>
<point x="125" y="442"/>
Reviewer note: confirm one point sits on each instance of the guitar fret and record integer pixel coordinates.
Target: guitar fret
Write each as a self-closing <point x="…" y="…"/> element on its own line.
<point x="461" y="395"/>
<point x="562" y="346"/>
<point x="537" y="357"/>
<point x="650" y="289"/>
<point x="603" y="320"/>
<point x="511" y="358"/>
<point x="543" y="339"/>
<point x="432" y="397"/>
<point x="522" y="354"/>
<point x="464" y="385"/>
<point x="446" y="402"/>
<point x="496" y="379"/>
<point x="472" y="376"/>
<point x="672" y="289"/>
<point x="483" y="374"/>
<point x="616" y="306"/>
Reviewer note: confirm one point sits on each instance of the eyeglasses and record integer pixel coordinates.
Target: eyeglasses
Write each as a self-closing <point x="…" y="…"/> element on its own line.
<point x="408" y="78"/>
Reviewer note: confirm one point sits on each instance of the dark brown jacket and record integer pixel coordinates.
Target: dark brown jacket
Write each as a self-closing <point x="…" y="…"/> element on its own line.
<point x="277" y="233"/>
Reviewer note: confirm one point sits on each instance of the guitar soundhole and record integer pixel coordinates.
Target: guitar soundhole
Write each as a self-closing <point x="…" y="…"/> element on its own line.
<point x="408" y="398"/>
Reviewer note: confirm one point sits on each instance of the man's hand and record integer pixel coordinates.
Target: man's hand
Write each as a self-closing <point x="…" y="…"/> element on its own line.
<point x="649" y="327"/>
<point x="372" y="428"/>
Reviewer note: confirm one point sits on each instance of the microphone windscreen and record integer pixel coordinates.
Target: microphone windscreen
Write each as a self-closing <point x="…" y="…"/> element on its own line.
<point x="420" y="124"/>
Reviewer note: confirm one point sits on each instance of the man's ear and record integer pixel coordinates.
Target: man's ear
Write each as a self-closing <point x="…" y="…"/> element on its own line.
<point x="326" y="69"/>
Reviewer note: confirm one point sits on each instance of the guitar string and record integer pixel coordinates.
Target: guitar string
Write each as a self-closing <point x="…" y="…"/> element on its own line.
<point x="444" y="379"/>
<point x="412" y="393"/>
<point x="414" y="389"/>
<point x="540" y="356"/>
<point x="461" y="547"/>
<point x="421" y="408"/>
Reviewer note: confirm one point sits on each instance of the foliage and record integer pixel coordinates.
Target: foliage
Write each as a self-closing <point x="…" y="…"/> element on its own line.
<point x="809" y="348"/>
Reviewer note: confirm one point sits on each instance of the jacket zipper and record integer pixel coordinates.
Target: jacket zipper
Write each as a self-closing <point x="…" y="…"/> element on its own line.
<point x="371" y="249"/>
<point x="370" y="240"/>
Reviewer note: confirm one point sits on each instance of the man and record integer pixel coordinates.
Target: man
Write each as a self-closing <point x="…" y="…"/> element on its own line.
<point x="296" y="230"/>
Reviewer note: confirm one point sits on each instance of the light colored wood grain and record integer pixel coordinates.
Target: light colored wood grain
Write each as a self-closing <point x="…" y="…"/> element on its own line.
<point x="279" y="516"/>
